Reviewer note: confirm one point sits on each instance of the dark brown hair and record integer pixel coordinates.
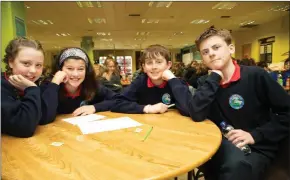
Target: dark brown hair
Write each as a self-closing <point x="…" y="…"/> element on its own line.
<point x="15" y="45"/>
<point x="212" y="31"/>
<point x="90" y="83"/>
<point x="153" y="51"/>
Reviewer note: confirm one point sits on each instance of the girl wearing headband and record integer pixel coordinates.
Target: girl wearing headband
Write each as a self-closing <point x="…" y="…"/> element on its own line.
<point x="20" y="95"/>
<point x="74" y="88"/>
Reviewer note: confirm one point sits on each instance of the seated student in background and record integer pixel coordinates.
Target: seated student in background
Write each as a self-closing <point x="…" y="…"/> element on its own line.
<point x="286" y="71"/>
<point x="154" y="91"/>
<point x="247" y="98"/>
<point x="114" y="87"/>
<point x="74" y="88"/>
<point x="20" y="95"/>
<point x="112" y="74"/>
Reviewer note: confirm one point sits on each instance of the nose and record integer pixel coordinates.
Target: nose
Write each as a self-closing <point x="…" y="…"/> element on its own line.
<point x="211" y="52"/>
<point x="32" y="69"/>
<point x="75" y="73"/>
<point x="154" y="65"/>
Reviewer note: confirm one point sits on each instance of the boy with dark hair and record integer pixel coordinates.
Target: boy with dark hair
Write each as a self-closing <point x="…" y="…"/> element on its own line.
<point x="247" y="98"/>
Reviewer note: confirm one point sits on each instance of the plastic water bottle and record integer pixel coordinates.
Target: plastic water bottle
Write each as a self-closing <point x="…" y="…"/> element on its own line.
<point x="226" y="128"/>
<point x="280" y="79"/>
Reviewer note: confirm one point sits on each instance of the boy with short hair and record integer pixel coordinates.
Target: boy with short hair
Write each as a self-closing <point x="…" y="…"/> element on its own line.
<point x="247" y="98"/>
<point x="154" y="90"/>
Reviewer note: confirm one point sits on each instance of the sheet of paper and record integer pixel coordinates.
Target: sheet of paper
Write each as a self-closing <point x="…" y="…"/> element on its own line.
<point x="84" y="119"/>
<point x="108" y="125"/>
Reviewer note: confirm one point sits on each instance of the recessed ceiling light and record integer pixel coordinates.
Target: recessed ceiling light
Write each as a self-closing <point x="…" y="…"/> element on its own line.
<point x="160" y="4"/>
<point x="199" y="21"/>
<point x="225" y="5"/>
<point x="28" y="7"/>
<point x="247" y="22"/>
<point x="280" y="8"/>
<point x="89" y="4"/>
<point x="150" y="21"/>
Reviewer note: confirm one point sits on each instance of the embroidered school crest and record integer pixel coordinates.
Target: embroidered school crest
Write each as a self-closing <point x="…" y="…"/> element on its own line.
<point x="236" y="101"/>
<point x="166" y="99"/>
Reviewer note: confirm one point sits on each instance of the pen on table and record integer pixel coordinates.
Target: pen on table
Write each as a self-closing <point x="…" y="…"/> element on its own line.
<point x="148" y="133"/>
<point x="171" y="105"/>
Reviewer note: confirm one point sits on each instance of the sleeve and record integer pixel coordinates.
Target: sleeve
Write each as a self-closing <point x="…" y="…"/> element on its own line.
<point x="107" y="98"/>
<point x="21" y="117"/>
<point x="49" y="102"/>
<point x="127" y="101"/>
<point x="198" y="105"/>
<point x="278" y="100"/>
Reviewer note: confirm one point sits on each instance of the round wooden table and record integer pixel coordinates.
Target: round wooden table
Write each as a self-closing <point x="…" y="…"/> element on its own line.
<point x="175" y="146"/>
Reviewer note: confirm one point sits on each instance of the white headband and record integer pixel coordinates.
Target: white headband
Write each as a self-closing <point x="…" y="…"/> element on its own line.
<point x="73" y="52"/>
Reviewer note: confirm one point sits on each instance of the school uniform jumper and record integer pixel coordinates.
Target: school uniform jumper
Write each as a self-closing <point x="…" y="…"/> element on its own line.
<point x="103" y="100"/>
<point x="253" y="102"/>
<point x="20" y="112"/>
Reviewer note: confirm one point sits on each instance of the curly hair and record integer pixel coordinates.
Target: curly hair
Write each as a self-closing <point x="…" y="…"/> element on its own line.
<point x="15" y="45"/>
<point x="212" y="31"/>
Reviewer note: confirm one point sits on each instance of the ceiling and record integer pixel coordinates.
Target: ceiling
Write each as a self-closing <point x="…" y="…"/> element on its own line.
<point x="68" y="17"/>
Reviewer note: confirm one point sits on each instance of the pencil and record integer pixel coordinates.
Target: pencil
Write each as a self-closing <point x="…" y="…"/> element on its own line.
<point x="171" y="105"/>
<point x="148" y="133"/>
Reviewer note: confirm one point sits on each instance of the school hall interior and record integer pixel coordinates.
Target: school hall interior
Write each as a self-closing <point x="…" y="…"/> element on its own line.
<point x="122" y="30"/>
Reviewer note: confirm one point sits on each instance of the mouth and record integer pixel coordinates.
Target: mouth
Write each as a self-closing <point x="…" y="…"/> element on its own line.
<point x="30" y="78"/>
<point x="74" y="79"/>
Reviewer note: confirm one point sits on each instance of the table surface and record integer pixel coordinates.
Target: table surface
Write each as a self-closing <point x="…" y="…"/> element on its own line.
<point x="175" y="146"/>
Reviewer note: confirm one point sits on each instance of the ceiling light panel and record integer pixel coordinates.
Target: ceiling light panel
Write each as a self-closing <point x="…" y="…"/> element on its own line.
<point x="247" y="22"/>
<point x="150" y="21"/>
<point x="103" y="34"/>
<point x="97" y="20"/>
<point x="280" y="8"/>
<point x="142" y="33"/>
<point x="42" y="22"/>
<point x="89" y="4"/>
<point x="163" y="4"/>
<point x="63" y="34"/>
<point x="199" y="21"/>
<point x="225" y="5"/>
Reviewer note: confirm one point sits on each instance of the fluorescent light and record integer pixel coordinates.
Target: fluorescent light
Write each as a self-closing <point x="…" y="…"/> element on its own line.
<point x="225" y="5"/>
<point x="35" y="22"/>
<point x="149" y="21"/>
<point x="162" y="4"/>
<point x="143" y="33"/>
<point x="50" y="21"/>
<point x="247" y="22"/>
<point x="199" y="21"/>
<point x="79" y="4"/>
<point x="280" y="8"/>
<point x="100" y="20"/>
<point x="90" y="20"/>
<point x="28" y="7"/>
<point x="57" y="34"/>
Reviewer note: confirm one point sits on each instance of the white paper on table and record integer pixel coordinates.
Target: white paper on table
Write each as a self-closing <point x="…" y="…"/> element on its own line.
<point x="108" y="125"/>
<point x="84" y="119"/>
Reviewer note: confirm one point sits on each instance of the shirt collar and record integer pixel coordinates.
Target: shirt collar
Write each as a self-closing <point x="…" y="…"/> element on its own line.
<point x="151" y="85"/>
<point x="76" y="94"/>
<point x="235" y="77"/>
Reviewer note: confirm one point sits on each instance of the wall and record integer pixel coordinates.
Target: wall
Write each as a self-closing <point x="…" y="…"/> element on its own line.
<point x="278" y="28"/>
<point x="8" y="30"/>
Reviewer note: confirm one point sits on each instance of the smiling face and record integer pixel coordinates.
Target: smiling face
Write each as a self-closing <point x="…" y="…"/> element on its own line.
<point x="216" y="53"/>
<point x="76" y="71"/>
<point x="154" y="67"/>
<point x="28" y="63"/>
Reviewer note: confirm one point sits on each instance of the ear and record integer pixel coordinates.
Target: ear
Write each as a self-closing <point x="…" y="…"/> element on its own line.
<point x="143" y="67"/>
<point x="10" y="63"/>
<point x="169" y="64"/>
<point x="232" y="48"/>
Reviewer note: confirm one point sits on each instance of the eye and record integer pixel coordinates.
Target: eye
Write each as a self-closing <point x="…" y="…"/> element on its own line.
<point x="216" y="47"/>
<point x="26" y="64"/>
<point x="69" y="68"/>
<point x="205" y="52"/>
<point x="39" y="65"/>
